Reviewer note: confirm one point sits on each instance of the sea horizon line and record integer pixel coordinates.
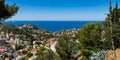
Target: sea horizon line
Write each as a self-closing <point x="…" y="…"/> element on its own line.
<point x="53" y="20"/>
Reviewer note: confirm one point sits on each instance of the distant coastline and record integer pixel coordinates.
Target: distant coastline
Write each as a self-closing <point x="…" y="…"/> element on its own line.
<point x="52" y="26"/>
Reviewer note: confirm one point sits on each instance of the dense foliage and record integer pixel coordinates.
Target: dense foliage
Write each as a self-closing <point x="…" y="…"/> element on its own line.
<point x="116" y="34"/>
<point x="89" y="38"/>
<point x="18" y="47"/>
<point x="45" y="54"/>
<point x="114" y="17"/>
<point x="63" y="49"/>
<point x="67" y="48"/>
<point x="7" y="11"/>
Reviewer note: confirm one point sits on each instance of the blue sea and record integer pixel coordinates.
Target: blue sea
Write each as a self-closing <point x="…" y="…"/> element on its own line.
<point x="52" y="26"/>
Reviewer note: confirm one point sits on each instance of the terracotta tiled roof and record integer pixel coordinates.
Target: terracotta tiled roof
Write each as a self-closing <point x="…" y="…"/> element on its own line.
<point x="1" y="50"/>
<point x="7" y="59"/>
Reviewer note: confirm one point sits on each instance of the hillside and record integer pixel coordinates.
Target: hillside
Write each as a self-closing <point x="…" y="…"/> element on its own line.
<point x="25" y="31"/>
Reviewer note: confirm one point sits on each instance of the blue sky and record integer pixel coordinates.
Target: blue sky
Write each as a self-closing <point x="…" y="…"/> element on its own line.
<point x="57" y="10"/>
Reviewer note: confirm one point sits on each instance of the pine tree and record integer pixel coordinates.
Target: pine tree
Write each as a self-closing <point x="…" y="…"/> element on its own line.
<point x="64" y="48"/>
<point x="89" y="38"/>
<point x="46" y="54"/>
<point x="7" y="11"/>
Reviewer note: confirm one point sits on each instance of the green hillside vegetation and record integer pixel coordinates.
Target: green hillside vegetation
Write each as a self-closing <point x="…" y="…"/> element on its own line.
<point x="89" y="38"/>
<point x="93" y="37"/>
<point x="24" y="31"/>
<point x="9" y="28"/>
<point x="45" y="54"/>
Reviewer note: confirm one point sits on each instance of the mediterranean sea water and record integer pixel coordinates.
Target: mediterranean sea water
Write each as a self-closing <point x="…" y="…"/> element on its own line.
<point x="52" y="26"/>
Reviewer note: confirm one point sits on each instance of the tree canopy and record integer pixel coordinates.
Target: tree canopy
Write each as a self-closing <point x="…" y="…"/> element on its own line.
<point x="46" y="54"/>
<point x="6" y="10"/>
<point x="89" y="38"/>
<point x="67" y="47"/>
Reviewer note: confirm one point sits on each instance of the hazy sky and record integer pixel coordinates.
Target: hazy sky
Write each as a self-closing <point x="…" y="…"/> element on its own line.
<point x="56" y="10"/>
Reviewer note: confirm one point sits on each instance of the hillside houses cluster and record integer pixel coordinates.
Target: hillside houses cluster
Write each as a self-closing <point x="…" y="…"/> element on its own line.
<point x="10" y="40"/>
<point x="18" y="45"/>
<point x="69" y="32"/>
